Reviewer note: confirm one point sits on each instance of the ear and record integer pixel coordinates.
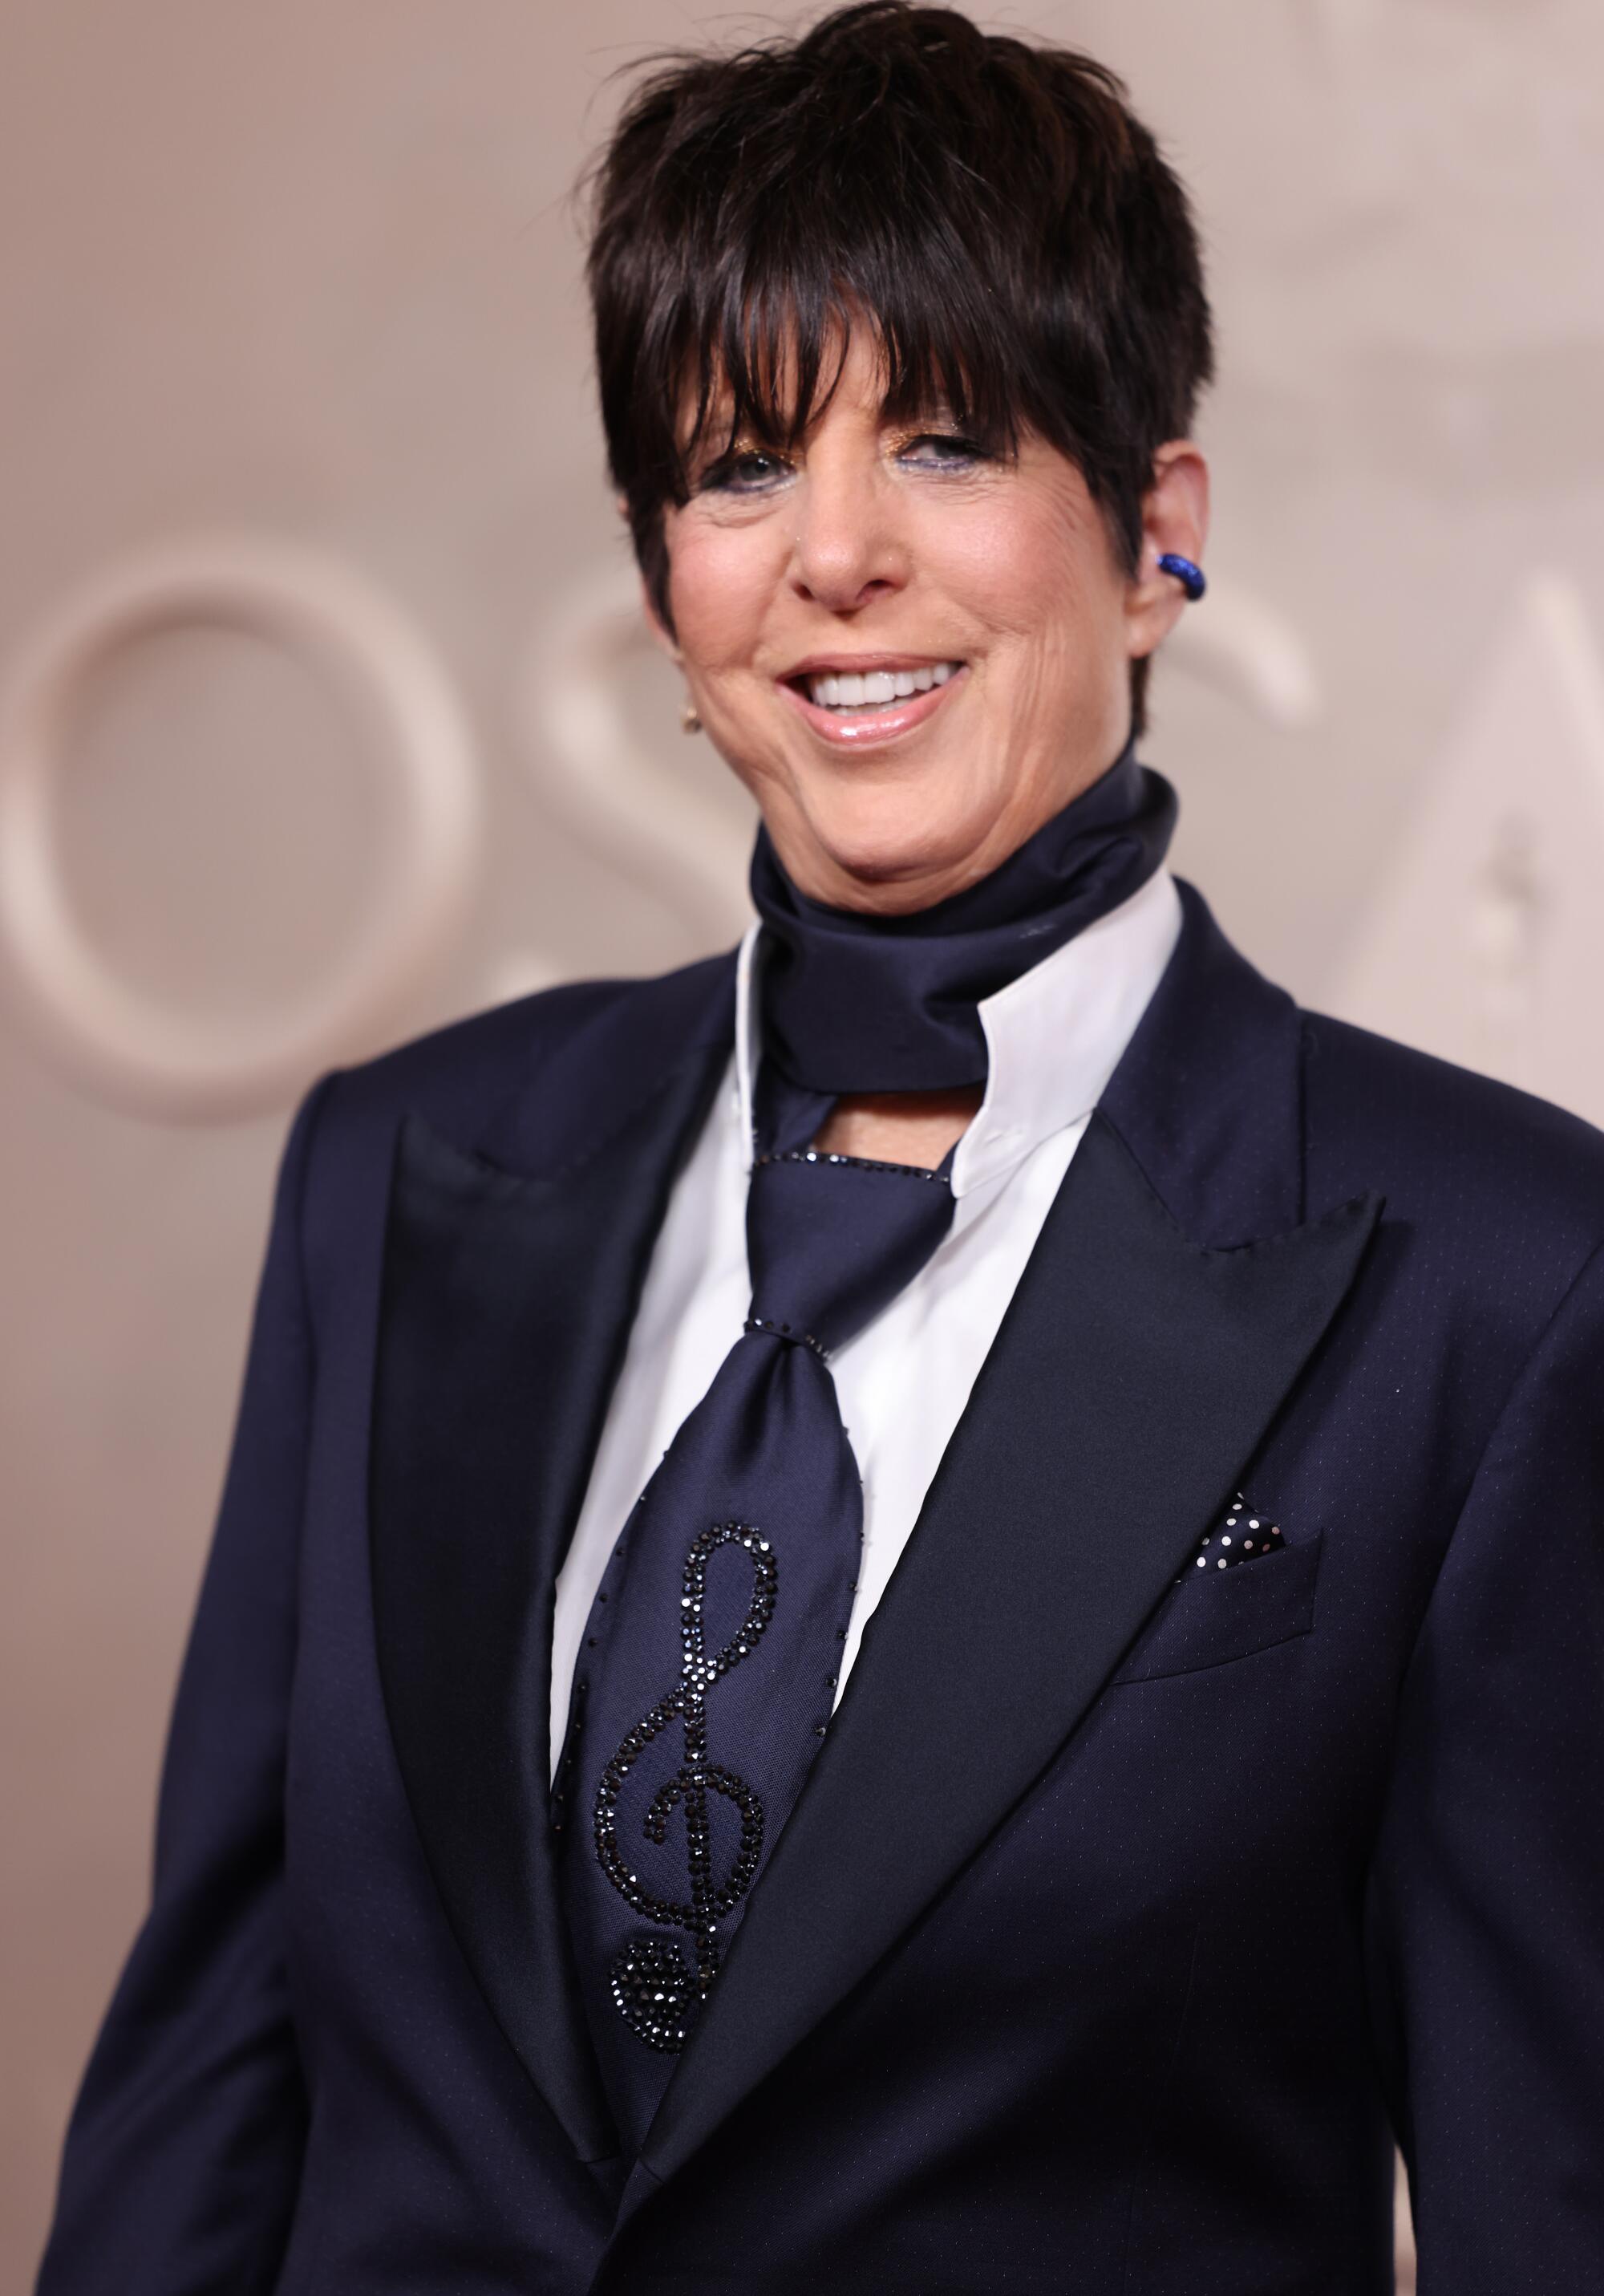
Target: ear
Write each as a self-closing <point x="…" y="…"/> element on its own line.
<point x="1174" y="516"/>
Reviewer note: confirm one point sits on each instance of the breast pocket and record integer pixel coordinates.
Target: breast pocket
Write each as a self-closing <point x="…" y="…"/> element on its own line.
<point x="1214" y="1618"/>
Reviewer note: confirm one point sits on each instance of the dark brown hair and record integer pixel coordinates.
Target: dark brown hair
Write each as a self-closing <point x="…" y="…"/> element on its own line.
<point x="994" y="209"/>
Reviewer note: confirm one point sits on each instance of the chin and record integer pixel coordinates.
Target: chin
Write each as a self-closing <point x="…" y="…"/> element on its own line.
<point x="889" y="849"/>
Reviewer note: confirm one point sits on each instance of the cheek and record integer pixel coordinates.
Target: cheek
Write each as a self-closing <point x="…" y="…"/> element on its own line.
<point x="1037" y="570"/>
<point x="716" y="592"/>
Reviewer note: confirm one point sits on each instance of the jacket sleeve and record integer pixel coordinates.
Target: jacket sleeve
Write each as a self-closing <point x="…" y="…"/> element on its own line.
<point x="182" y="2157"/>
<point x="1486" y="1908"/>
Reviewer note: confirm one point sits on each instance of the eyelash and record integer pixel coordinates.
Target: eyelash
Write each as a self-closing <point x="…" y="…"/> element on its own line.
<point x="721" y="476"/>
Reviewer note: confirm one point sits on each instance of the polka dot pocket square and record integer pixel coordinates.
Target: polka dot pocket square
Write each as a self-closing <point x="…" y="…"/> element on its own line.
<point x="1240" y="1536"/>
<point x="1220" y="1607"/>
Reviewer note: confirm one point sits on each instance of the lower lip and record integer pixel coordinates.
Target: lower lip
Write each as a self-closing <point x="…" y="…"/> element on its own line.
<point x="860" y="729"/>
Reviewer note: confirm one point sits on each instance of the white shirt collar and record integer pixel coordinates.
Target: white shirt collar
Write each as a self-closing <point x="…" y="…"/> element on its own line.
<point x="1084" y="1001"/>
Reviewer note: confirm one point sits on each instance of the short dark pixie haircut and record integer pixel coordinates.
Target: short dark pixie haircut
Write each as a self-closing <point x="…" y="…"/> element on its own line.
<point x="993" y="210"/>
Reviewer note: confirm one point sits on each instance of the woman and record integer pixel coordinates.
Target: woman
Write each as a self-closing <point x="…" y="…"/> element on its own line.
<point x="919" y="1610"/>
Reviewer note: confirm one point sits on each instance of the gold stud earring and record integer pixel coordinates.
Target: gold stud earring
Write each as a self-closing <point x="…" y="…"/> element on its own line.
<point x="689" y="723"/>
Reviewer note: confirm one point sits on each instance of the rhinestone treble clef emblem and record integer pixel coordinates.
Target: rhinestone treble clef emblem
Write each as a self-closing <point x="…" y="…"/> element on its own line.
<point x="653" y="1985"/>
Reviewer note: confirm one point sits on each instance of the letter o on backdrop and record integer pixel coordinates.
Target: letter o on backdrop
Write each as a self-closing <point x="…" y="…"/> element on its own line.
<point x="124" y="1048"/>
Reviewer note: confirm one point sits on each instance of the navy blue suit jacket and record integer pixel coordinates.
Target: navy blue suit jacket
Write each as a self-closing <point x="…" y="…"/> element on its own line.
<point x="1128" y="1911"/>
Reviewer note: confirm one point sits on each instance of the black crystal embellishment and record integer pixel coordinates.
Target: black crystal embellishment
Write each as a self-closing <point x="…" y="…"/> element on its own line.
<point x="654" y="1986"/>
<point x="655" y="1991"/>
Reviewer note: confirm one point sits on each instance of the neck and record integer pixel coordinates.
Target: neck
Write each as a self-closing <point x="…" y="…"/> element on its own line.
<point x="864" y="1006"/>
<point x="899" y="1127"/>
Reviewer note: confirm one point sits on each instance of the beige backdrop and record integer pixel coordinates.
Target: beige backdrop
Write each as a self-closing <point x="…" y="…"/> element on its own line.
<point x="303" y="273"/>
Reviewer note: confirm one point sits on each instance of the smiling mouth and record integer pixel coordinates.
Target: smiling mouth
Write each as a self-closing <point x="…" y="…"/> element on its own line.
<point x="872" y="689"/>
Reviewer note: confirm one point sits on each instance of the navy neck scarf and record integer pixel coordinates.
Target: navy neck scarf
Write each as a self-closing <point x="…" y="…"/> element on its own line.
<point x="860" y="1004"/>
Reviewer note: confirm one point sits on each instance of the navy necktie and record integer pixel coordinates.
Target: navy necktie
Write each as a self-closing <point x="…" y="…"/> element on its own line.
<point x="709" y="1664"/>
<point x="709" y="1669"/>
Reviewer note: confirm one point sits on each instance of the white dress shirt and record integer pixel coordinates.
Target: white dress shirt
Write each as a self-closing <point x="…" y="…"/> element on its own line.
<point x="1053" y="1039"/>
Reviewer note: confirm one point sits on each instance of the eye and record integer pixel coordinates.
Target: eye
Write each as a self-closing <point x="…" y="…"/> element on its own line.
<point x="748" y="471"/>
<point x="943" y="450"/>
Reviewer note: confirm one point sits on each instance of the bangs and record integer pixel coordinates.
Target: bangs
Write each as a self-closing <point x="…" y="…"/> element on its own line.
<point x="762" y="358"/>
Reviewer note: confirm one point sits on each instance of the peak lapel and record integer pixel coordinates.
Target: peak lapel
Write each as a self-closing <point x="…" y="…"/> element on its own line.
<point x="1134" y="1373"/>
<point x="507" y="1304"/>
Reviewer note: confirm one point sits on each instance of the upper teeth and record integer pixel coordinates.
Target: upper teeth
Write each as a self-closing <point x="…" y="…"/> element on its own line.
<point x="846" y="689"/>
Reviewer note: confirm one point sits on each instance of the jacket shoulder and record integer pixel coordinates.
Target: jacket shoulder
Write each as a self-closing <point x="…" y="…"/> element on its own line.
<point x="459" y="1075"/>
<point x="1440" y="1140"/>
<point x="555" y="1066"/>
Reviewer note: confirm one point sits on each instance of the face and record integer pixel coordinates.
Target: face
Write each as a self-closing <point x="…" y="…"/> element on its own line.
<point x="912" y="653"/>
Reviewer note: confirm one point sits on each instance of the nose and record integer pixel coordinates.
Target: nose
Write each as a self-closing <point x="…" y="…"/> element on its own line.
<point x="847" y="549"/>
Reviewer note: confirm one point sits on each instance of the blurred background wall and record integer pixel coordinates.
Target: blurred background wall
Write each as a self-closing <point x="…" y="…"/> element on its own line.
<point x="296" y="287"/>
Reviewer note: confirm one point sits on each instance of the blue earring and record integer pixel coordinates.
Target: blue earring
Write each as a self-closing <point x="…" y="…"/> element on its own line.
<point x="1190" y="576"/>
